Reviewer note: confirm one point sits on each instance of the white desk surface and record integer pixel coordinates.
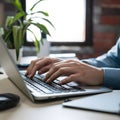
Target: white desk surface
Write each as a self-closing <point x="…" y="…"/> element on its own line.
<point x="26" y="110"/>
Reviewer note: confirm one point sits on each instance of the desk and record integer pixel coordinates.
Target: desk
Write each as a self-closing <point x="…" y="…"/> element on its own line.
<point x="26" y="110"/>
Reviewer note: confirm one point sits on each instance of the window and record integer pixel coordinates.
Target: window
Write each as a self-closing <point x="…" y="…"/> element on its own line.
<point x="72" y="20"/>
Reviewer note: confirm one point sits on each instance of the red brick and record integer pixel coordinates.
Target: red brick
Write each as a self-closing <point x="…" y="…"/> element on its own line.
<point x="111" y="3"/>
<point x="103" y="45"/>
<point x="110" y="20"/>
<point x="103" y="41"/>
<point x="110" y="12"/>
<point x="101" y="36"/>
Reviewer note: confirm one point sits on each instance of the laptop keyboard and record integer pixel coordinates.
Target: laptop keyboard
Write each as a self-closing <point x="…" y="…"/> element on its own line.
<point x="37" y="84"/>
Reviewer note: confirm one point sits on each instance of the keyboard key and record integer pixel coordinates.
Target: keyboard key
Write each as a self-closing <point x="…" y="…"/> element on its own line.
<point x="33" y="89"/>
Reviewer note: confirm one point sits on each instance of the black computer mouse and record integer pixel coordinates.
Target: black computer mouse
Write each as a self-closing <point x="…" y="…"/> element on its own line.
<point x="8" y="100"/>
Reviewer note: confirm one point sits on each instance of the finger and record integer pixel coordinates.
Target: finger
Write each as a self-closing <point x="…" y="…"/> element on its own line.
<point x="28" y="71"/>
<point x="44" y="69"/>
<point x="36" y="65"/>
<point x="68" y="63"/>
<point x="73" y="77"/>
<point x="59" y="67"/>
<point x="33" y="70"/>
<point x="60" y="72"/>
<point x="53" y="76"/>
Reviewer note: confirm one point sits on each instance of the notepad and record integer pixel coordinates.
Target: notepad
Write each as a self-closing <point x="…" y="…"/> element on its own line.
<point x="108" y="102"/>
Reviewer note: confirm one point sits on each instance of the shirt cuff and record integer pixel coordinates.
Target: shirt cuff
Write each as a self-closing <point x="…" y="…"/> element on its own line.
<point x="112" y="77"/>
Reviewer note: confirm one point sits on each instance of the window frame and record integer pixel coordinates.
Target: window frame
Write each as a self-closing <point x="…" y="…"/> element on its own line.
<point x="89" y="29"/>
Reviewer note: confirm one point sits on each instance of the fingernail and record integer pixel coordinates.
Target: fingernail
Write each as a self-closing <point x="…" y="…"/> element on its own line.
<point x="44" y="79"/>
<point x="39" y="72"/>
<point x="48" y="81"/>
<point x="29" y="76"/>
<point x="60" y="82"/>
<point x="25" y="74"/>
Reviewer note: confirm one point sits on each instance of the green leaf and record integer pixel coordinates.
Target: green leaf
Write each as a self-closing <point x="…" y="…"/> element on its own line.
<point x="17" y="4"/>
<point x="41" y="12"/>
<point x="37" y="44"/>
<point x="41" y="39"/>
<point x="7" y="35"/>
<point x="1" y="31"/>
<point x="48" y="22"/>
<point x="16" y="41"/>
<point x="36" y="41"/>
<point x="18" y="16"/>
<point x="20" y="36"/>
<point x="42" y="28"/>
<point x="9" y="21"/>
<point x="36" y="4"/>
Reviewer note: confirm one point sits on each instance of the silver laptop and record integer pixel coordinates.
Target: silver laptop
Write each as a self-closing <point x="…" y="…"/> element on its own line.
<point x="37" y="89"/>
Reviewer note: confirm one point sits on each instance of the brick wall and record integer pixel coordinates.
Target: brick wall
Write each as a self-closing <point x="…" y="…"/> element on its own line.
<point x="106" y="24"/>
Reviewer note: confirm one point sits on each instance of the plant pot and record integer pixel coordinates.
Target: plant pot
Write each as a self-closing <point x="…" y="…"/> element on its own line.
<point x="44" y="49"/>
<point x="13" y="55"/>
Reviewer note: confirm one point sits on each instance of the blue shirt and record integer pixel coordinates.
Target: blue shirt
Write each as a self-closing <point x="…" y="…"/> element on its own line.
<point x="110" y="63"/>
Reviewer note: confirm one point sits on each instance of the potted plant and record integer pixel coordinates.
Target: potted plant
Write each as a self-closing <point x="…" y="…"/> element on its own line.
<point x="13" y="32"/>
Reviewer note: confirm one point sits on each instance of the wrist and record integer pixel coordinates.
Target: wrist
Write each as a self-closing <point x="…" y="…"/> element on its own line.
<point x="101" y="76"/>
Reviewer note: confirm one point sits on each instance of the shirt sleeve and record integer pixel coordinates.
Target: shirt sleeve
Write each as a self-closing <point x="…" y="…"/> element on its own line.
<point x="110" y="59"/>
<point x="110" y="62"/>
<point x="112" y="77"/>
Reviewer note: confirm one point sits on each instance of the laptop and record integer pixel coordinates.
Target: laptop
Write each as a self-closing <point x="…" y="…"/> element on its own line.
<point x="36" y="89"/>
<point x="107" y="102"/>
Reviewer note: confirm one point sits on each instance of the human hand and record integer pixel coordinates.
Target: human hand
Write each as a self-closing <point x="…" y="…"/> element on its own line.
<point x="41" y="65"/>
<point x="75" y="71"/>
